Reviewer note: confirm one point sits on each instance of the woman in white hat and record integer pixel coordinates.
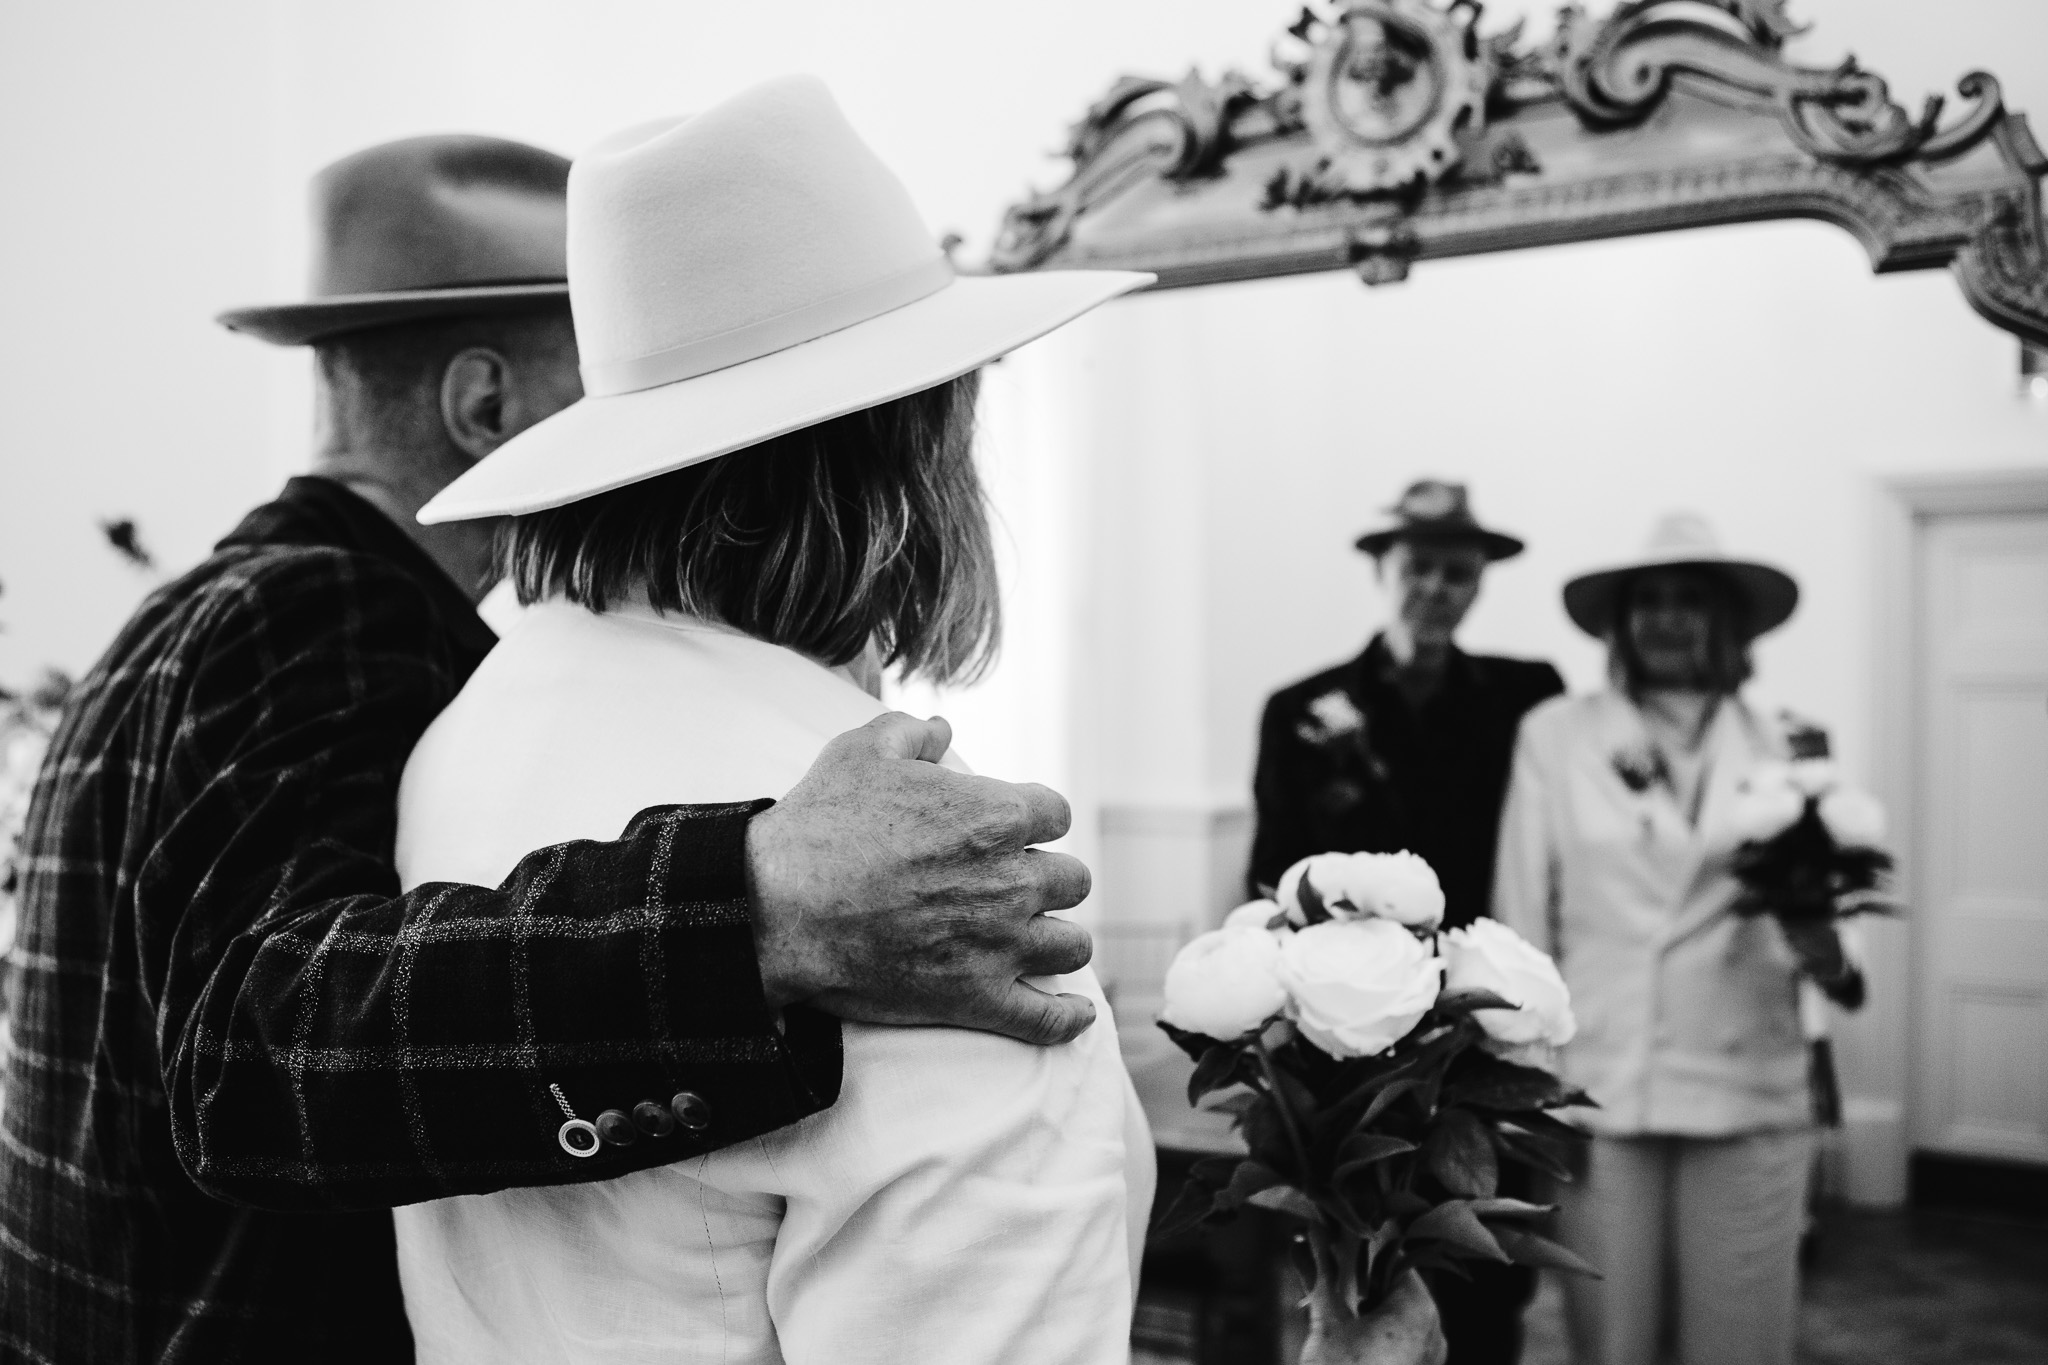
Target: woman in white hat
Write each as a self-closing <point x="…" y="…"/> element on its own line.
<point x="1614" y="855"/>
<point x="766" y="499"/>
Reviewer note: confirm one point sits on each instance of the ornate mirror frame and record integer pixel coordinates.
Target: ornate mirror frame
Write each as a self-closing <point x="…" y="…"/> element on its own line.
<point x="1393" y="132"/>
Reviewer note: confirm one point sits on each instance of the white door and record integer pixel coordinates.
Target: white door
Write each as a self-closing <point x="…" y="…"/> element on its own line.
<point x="1980" y="918"/>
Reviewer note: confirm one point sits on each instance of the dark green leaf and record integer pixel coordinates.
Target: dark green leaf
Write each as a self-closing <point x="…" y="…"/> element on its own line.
<point x="1454" y="1223"/>
<point x="1233" y="1104"/>
<point x="1386" y="1097"/>
<point x="1266" y="1136"/>
<point x="1310" y="900"/>
<point x="1528" y="1249"/>
<point x="1484" y="1081"/>
<point x="1457" y="1003"/>
<point x="1248" y="1179"/>
<point x="1213" y="1071"/>
<point x="1460" y="1154"/>
<point x="1287" y="1199"/>
<point x="1360" y="1150"/>
<point x="1194" y="1044"/>
<point x="1545" y="1154"/>
<point x="1509" y="1208"/>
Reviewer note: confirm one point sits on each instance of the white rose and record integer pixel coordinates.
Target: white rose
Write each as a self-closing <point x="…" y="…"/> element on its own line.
<point x="1397" y="886"/>
<point x="1223" y="983"/>
<point x="1487" y="955"/>
<point x="1325" y="872"/>
<point x="1251" y="915"/>
<point x="1767" y="804"/>
<point x="1854" y="817"/>
<point x="1812" y="775"/>
<point x="1355" y="987"/>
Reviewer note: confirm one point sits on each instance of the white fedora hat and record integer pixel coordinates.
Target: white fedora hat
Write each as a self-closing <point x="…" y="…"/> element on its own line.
<point x="745" y="273"/>
<point x="1684" y="540"/>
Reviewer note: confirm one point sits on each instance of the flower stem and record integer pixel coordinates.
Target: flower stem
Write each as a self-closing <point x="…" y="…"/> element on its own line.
<point x="1287" y="1119"/>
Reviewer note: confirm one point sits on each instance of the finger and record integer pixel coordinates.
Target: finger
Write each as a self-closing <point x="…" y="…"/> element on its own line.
<point x="1062" y="881"/>
<point x="897" y="735"/>
<point x="1047" y="816"/>
<point x="1054" y="947"/>
<point x="1031" y="1015"/>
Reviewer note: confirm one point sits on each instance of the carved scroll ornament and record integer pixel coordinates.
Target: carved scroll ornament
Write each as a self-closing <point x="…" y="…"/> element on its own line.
<point x="1393" y="130"/>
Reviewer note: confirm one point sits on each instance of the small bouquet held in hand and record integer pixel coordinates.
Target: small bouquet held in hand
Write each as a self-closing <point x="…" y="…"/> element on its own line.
<point x="1379" y="1072"/>
<point x="1811" y="850"/>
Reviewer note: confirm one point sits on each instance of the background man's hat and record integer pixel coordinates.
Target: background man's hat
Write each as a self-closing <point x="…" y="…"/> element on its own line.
<point x="1434" y="510"/>
<point x="428" y="227"/>
<point x="742" y="274"/>
<point x="1684" y="540"/>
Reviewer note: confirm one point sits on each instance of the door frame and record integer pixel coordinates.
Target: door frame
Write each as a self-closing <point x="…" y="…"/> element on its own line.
<point x="1880" y="1056"/>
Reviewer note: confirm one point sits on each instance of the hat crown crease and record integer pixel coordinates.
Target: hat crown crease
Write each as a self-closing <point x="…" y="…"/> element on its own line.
<point x="757" y="226"/>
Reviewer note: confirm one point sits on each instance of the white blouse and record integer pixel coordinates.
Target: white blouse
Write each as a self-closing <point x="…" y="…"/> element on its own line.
<point x="968" y="1198"/>
<point x="1689" y="1014"/>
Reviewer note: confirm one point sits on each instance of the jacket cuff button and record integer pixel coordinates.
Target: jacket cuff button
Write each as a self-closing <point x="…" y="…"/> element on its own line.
<point x="691" y="1111"/>
<point x="616" y="1129"/>
<point x="653" y="1119"/>
<point x="578" y="1138"/>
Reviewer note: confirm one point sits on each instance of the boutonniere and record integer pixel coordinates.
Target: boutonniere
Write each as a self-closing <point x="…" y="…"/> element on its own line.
<point x="1332" y="716"/>
<point x="1641" y="767"/>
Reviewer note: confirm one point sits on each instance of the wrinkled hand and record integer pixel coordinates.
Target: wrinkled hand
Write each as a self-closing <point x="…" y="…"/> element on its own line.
<point x="891" y="890"/>
<point x="1405" y="1330"/>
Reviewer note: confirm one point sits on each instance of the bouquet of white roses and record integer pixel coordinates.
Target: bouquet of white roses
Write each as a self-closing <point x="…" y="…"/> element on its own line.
<point x="1811" y="847"/>
<point x="1378" y="1070"/>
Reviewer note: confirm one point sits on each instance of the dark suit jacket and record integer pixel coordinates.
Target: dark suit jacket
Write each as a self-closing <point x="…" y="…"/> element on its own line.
<point x="1347" y="765"/>
<point x="221" y="995"/>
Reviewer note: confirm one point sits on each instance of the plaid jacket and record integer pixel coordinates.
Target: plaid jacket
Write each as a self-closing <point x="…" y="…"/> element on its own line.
<point x="220" y="995"/>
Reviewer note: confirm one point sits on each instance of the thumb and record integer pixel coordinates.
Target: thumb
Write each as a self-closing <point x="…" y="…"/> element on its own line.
<point x="897" y="735"/>
<point x="1031" y="1015"/>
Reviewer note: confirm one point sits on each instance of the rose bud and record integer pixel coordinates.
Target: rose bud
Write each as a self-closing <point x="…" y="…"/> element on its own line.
<point x="1253" y="915"/>
<point x="1487" y="955"/>
<point x="1325" y="875"/>
<point x="1397" y="886"/>
<point x="1356" y="987"/>
<point x="1854" y="817"/>
<point x="1222" y="984"/>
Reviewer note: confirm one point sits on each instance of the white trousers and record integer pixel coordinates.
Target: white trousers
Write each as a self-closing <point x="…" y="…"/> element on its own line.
<point x="1698" y="1239"/>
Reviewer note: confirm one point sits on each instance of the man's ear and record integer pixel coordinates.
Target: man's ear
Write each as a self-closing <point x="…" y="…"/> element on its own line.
<point x="476" y="401"/>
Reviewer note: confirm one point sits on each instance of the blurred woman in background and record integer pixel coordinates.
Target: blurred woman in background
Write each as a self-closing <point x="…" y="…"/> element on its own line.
<point x="1615" y="855"/>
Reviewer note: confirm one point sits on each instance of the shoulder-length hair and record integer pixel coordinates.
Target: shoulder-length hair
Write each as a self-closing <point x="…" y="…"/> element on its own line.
<point x="1728" y="637"/>
<point x="869" y="527"/>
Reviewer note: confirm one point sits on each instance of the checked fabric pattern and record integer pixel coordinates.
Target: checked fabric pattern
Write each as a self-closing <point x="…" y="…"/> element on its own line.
<point x="232" y="1034"/>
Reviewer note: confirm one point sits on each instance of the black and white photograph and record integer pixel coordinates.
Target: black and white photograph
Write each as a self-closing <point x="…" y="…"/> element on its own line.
<point x="1117" y="682"/>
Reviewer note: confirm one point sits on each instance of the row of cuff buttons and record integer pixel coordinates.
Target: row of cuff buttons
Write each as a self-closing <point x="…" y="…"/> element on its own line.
<point x="688" y="1110"/>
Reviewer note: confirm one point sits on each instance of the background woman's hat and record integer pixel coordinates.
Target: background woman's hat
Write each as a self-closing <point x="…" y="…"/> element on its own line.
<point x="428" y="227"/>
<point x="1434" y="510"/>
<point x="1684" y="540"/>
<point x="742" y="274"/>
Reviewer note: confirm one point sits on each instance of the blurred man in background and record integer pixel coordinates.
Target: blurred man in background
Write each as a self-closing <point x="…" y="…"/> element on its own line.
<point x="220" y="993"/>
<point x="1408" y="746"/>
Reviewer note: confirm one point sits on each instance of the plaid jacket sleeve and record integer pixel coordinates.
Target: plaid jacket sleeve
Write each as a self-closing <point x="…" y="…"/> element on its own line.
<point x="328" y="1042"/>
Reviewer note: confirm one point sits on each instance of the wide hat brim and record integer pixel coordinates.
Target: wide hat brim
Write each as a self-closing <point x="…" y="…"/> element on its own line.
<point x="300" y="324"/>
<point x="1497" y="544"/>
<point x="1772" y="593"/>
<point x="604" y="443"/>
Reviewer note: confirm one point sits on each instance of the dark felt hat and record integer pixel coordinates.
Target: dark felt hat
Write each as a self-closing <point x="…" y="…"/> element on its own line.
<point x="1434" y="510"/>
<point x="1684" y="540"/>
<point x="428" y="227"/>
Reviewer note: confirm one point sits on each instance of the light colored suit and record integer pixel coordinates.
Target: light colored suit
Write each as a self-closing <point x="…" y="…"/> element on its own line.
<point x="1689" y="1036"/>
<point x="968" y="1198"/>
<point x="1688" y="1012"/>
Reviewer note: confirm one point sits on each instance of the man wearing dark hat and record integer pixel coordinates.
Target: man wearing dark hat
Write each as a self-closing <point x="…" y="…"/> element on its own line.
<point x="219" y="993"/>
<point x="1408" y="746"/>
